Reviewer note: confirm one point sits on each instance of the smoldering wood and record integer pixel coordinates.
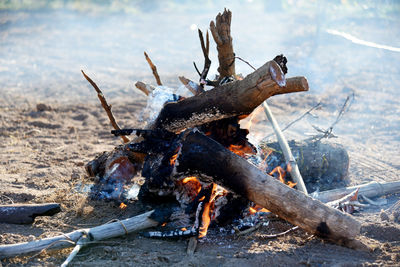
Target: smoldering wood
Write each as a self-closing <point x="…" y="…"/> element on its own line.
<point x="228" y="100"/>
<point x="370" y="190"/>
<point x="26" y="213"/>
<point x="238" y="175"/>
<point x="323" y="164"/>
<point x="105" y="231"/>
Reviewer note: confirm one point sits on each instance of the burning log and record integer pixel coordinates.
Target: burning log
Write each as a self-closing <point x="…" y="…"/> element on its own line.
<point x="228" y="100"/>
<point x="105" y="231"/>
<point x="26" y="213"/>
<point x="211" y="162"/>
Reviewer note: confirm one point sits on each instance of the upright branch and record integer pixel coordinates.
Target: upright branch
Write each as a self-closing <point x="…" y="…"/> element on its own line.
<point x="105" y="105"/>
<point x="205" y="47"/>
<point x="153" y="68"/>
<point x="221" y="32"/>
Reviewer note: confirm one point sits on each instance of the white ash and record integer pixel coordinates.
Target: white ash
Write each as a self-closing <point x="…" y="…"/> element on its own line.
<point x="197" y="119"/>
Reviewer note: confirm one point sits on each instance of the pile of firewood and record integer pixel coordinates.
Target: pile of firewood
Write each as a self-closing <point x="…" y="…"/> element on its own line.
<point x="195" y="156"/>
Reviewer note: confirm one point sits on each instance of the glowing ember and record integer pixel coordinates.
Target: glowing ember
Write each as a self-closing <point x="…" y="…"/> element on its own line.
<point x="192" y="186"/>
<point x="173" y="159"/>
<point x="123" y="206"/>
<point x="241" y="150"/>
<point x="257" y="208"/>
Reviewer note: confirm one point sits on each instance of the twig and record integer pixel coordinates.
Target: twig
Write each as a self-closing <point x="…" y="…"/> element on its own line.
<point x="193" y="87"/>
<point x="328" y="132"/>
<point x="290" y="160"/>
<point x="280" y="234"/>
<point x="192" y="244"/>
<point x="250" y="230"/>
<point x="207" y="62"/>
<point x="144" y="87"/>
<point x="248" y="63"/>
<point x="153" y="68"/>
<point x="80" y="244"/>
<point x="298" y="119"/>
<point x="105" y="105"/>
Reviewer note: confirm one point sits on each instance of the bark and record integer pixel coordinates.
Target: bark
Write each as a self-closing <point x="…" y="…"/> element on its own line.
<point x="228" y="100"/>
<point x="26" y="213"/>
<point x="211" y="162"/>
<point x="221" y="32"/>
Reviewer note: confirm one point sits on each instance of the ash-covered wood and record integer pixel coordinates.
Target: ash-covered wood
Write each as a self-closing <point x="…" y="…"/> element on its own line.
<point x="228" y="100"/>
<point x="211" y="162"/>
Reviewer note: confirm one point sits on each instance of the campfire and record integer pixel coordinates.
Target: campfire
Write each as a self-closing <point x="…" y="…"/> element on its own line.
<point x="200" y="169"/>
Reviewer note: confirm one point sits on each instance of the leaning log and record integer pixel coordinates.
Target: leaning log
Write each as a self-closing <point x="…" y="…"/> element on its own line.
<point x="26" y="213"/>
<point x="228" y="100"/>
<point x="211" y="162"/>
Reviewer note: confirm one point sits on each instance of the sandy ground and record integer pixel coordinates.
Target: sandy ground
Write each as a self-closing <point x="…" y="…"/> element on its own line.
<point x="42" y="154"/>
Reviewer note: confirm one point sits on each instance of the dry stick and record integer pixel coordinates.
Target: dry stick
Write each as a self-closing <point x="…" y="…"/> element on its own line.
<point x="205" y="47"/>
<point x="192" y="244"/>
<point x="193" y="87"/>
<point x="372" y="189"/>
<point x="221" y="32"/>
<point x="153" y="68"/>
<point x="290" y="160"/>
<point x="280" y="234"/>
<point x="144" y="87"/>
<point x="105" y="231"/>
<point x="105" y="105"/>
<point x="296" y="120"/>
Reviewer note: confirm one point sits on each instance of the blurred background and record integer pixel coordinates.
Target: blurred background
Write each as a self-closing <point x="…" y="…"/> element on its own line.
<point x="44" y="44"/>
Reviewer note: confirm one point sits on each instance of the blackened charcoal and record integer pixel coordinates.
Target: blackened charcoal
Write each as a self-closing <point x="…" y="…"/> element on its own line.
<point x="281" y="60"/>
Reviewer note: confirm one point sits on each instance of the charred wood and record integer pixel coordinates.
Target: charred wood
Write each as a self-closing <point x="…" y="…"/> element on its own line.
<point x="26" y="213"/>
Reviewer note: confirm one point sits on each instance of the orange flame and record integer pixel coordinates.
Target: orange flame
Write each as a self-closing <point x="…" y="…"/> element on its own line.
<point x="257" y="208"/>
<point x="192" y="186"/>
<point x="282" y="175"/>
<point x="241" y="150"/>
<point x="123" y="206"/>
<point x="207" y="211"/>
<point x="281" y="172"/>
<point x="172" y="160"/>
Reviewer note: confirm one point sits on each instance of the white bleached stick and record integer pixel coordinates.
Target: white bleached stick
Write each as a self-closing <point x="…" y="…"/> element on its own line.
<point x="290" y="160"/>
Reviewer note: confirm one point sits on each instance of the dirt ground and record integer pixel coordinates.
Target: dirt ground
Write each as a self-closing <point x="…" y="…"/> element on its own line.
<point x="43" y="152"/>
